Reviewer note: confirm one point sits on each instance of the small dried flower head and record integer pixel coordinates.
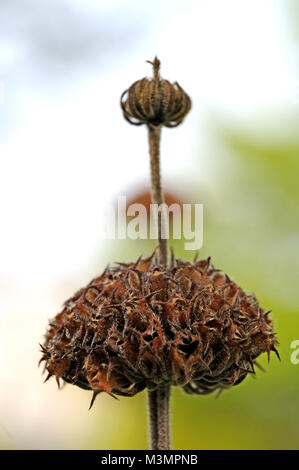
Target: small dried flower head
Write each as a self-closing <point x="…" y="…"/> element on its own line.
<point x="141" y="324"/>
<point x="155" y="101"/>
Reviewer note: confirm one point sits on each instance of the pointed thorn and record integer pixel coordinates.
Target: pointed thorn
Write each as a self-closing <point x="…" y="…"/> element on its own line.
<point x="95" y="393"/>
<point x="268" y="354"/>
<point x="251" y="365"/>
<point x="43" y="349"/>
<point x="47" y="378"/>
<point x="208" y="260"/>
<point x="259" y="366"/>
<point x="57" y="381"/>
<point x="276" y="352"/>
<point x="112" y="395"/>
<point x="137" y="261"/>
<point x="41" y="360"/>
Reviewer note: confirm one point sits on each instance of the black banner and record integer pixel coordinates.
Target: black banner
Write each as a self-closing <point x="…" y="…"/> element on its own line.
<point x="139" y="458"/>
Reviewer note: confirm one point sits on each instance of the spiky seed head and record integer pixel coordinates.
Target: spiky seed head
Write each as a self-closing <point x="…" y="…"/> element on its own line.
<point x="140" y="324"/>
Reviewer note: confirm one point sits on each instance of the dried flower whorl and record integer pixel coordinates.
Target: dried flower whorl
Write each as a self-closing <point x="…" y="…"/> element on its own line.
<point x="155" y="102"/>
<point x="141" y="324"/>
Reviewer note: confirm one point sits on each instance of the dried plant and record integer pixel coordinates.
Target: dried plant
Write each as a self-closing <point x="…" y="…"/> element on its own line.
<point x="152" y="323"/>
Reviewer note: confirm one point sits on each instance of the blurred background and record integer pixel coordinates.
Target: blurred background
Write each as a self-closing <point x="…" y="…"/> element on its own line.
<point x="66" y="151"/>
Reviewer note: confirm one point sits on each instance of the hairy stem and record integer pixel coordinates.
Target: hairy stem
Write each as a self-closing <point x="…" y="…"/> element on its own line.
<point x="158" y="401"/>
<point x="157" y="193"/>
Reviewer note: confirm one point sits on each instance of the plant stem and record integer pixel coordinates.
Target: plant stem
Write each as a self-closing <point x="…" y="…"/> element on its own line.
<point x="158" y="401"/>
<point x="154" y="133"/>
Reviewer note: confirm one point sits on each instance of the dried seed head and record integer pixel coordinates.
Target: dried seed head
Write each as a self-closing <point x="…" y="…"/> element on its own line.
<point x="155" y="101"/>
<point x="141" y="324"/>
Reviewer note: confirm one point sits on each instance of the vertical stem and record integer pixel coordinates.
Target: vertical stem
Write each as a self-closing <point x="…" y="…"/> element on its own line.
<point x="153" y="418"/>
<point x="158" y="401"/>
<point x="154" y="133"/>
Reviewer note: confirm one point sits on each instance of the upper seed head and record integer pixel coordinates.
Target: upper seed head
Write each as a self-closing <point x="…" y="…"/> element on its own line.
<point x="155" y="101"/>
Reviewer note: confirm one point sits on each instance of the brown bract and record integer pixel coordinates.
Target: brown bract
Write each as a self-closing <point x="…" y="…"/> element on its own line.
<point x="155" y="101"/>
<point x="140" y="324"/>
